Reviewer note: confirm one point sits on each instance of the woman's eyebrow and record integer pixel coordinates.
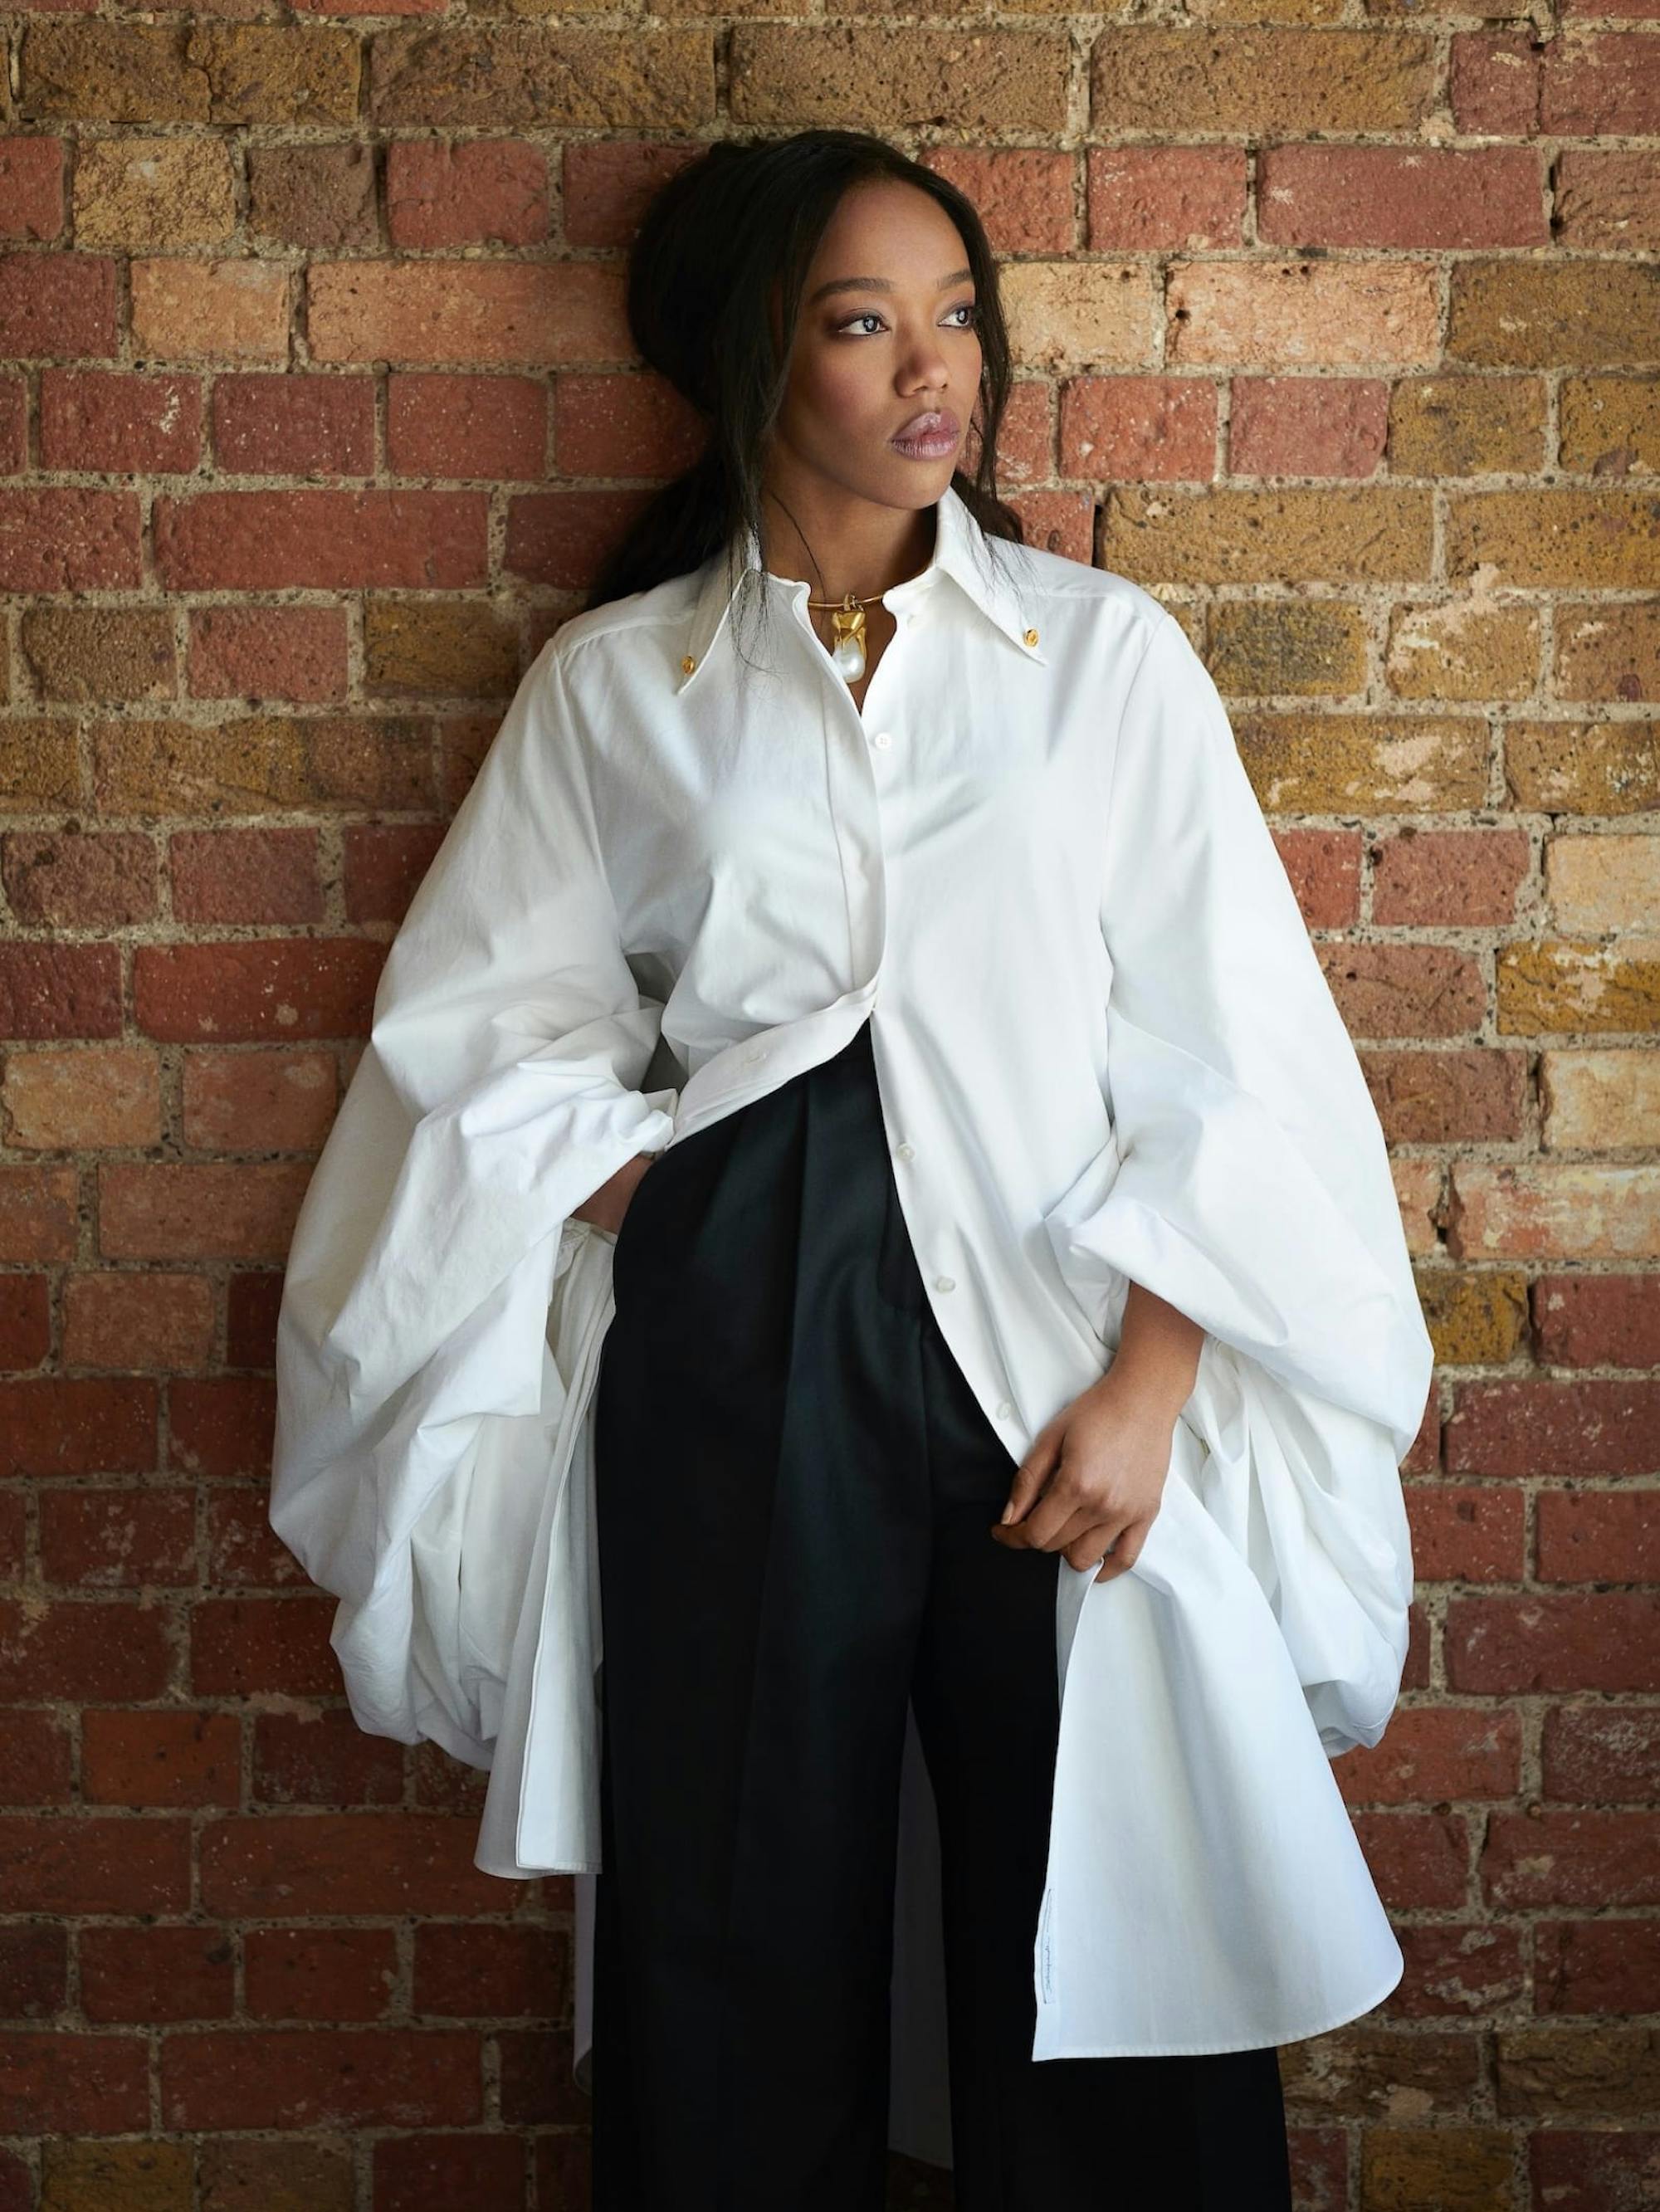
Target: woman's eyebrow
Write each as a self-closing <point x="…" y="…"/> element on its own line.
<point x="876" y="285"/>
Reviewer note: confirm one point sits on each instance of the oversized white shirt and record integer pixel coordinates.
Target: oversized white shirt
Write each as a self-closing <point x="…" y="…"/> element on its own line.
<point x="1106" y="1052"/>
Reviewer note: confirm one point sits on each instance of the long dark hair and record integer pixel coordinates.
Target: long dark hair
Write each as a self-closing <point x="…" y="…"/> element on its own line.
<point x="725" y="236"/>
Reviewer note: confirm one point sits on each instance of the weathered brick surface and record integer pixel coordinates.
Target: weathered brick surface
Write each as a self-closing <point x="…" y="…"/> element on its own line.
<point x="1341" y="332"/>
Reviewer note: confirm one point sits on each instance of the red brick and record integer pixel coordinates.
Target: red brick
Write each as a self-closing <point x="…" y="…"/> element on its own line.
<point x="1561" y="1641"/>
<point x="1596" y="1536"/>
<point x="471" y="1972"/>
<point x="184" y="1211"/>
<point x="1600" y="85"/>
<point x="1587" y="1752"/>
<point x="31" y="188"/>
<point x="1022" y="194"/>
<point x="281" y="990"/>
<point x="1601" y="1966"/>
<point x="120" y="422"/>
<point x="384" y="864"/>
<point x="1598" y="1320"/>
<point x="435" y="2172"/>
<point x="556" y="538"/>
<point x="490" y="426"/>
<point x="103" y="1537"/>
<point x="1324" y="867"/>
<point x="1418" y="1860"/>
<point x="615" y="425"/>
<point x="1470" y="1094"/>
<point x="68" y="537"/>
<point x="1154" y="199"/>
<point x="57" y="1424"/>
<point x="1572" y="1858"/>
<point x="79" y="1649"/>
<point x="1598" y="1426"/>
<point x="243" y="1647"/>
<point x="608" y="183"/>
<point x="292" y="425"/>
<point x="61" y="880"/>
<point x="54" y="2084"/>
<point x="1401" y="196"/>
<point x="1594" y="2170"/>
<point x="296" y="654"/>
<point x="1473" y="1533"/>
<point x="349" y="2079"/>
<point x="37" y="1768"/>
<point x="38" y="1214"/>
<point x="264" y="875"/>
<point x="1430" y="1753"/>
<point x="491" y="191"/>
<point x="89" y="1863"/>
<point x="321" y="1973"/>
<point x="252" y="1300"/>
<point x="14" y="447"/>
<point x="1334" y="427"/>
<point x="1468" y="1970"/>
<point x="1405" y="990"/>
<point x="150" y="1758"/>
<point x="325" y="541"/>
<point x="1494" y="83"/>
<point x="222" y="1425"/>
<point x="1450" y="879"/>
<point x="55" y="306"/>
<point x="33" y="1971"/>
<point x="341" y="1865"/>
<point x="1154" y="428"/>
<point x="60" y="990"/>
<point x="14" y="1536"/>
<point x="148" y="1322"/>
<point x="25" y="1321"/>
<point x="152" y="1976"/>
<point x="318" y="1758"/>
<point x="267" y="1100"/>
<point x="244" y="1550"/>
<point x="1608" y="199"/>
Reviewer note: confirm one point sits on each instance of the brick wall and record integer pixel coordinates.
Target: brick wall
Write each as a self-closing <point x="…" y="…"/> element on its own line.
<point x="1339" y="330"/>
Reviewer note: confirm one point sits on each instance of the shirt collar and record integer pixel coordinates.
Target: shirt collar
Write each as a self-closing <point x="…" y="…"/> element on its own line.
<point x="955" y="556"/>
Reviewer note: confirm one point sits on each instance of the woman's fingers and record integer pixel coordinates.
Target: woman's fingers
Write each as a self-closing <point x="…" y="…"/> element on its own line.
<point x="1032" y="1473"/>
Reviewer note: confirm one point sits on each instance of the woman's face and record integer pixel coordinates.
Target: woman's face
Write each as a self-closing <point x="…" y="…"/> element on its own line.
<point x="886" y="330"/>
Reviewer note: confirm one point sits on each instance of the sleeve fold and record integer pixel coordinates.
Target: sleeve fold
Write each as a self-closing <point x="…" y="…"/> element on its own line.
<point x="1247" y="1181"/>
<point x="499" y="1088"/>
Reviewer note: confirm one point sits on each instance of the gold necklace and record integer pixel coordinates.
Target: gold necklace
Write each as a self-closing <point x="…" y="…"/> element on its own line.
<point x="848" y="631"/>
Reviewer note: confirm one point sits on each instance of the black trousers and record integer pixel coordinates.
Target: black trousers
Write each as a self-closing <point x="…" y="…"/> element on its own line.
<point x="795" y="1487"/>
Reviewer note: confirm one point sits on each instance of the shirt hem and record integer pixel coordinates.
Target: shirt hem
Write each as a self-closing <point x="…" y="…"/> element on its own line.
<point x="1246" y="2043"/>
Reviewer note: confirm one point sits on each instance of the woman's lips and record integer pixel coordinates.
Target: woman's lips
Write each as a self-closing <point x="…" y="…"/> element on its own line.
<point x="937" y="435"/>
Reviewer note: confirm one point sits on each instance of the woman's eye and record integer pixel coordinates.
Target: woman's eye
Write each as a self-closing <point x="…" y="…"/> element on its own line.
<point x="969" y="308"/>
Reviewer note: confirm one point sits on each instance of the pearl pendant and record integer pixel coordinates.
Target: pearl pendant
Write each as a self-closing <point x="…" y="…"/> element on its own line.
<point x="850" y="657"/>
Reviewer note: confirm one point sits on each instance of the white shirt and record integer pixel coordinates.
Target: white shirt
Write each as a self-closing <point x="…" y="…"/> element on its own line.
<point x="1107" y="1053"/>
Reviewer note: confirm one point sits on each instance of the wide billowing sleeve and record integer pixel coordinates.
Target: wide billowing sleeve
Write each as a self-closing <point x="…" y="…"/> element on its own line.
<point x="1250" y="1185"/>
<point x="499" y="1088"/>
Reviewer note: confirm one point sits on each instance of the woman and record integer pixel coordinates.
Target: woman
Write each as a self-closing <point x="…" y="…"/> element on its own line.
<point x="947" y="1437"/>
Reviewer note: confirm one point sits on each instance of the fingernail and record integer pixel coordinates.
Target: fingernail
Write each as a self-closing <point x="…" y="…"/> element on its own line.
<point x="1007" y="1513"/>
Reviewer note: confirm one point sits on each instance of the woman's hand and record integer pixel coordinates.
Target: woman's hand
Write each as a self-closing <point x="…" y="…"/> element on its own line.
<point x="1092" y="1483"/>
<point x="605" y="1207"/>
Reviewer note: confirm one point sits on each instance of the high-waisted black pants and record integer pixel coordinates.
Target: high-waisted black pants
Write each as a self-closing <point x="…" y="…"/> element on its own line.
<point x="795" y="1487"/>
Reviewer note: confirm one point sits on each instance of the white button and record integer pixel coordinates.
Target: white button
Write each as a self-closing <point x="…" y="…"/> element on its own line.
<point x="1004" y="1410"/>
<point x="883" y="738"/>
<point x="944" y="1283"/>
<point x="905" y="1151"/>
